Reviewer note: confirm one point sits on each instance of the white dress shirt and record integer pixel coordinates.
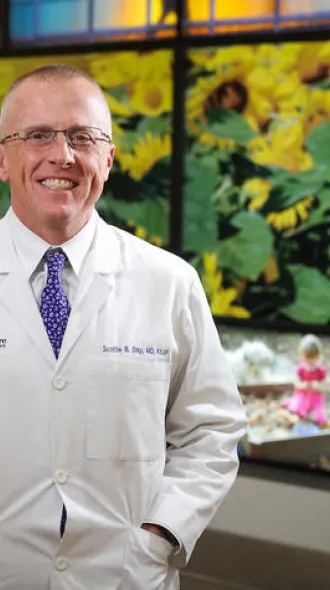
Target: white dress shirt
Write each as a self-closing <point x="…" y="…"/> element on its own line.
<point x="30" y="249"/>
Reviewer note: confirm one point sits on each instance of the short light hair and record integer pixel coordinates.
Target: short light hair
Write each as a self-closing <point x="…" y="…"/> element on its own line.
<point x="52" y="72"/>
<point x="310" y="346"/>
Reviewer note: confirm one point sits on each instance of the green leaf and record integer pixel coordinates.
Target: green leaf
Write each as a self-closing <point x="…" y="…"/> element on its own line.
<point x="120" y="93"/>
<point x="311" y="302"/>
<point x="127" y="141"/>
<point x="246" y="253"/>
<point x="317" y="144"/>
<point x="4" y="197"/>
<point x="228" y="124"/>
<point x="156" y="125"/>
<point x="323" y="208"/>
<point x="321" y="214"/>
<point x="322" y="84"/>
<point x="152" y="215"/>
<point x="200" y="219"/>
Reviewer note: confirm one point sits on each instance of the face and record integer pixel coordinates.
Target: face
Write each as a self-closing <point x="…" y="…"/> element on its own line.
<point x="54" y="188"/>
<point x="311" y="361"/>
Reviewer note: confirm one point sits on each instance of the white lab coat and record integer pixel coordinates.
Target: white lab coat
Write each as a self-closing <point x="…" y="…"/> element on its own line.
<point x="140" y="356"/>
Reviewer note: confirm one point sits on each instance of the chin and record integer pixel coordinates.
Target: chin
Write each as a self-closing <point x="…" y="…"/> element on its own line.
<point x="60" y="210"/>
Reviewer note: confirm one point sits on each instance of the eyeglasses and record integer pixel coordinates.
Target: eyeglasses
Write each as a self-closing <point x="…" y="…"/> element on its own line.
<point x="78" y="138"/>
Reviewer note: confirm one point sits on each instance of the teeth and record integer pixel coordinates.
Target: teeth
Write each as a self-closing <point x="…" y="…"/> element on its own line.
<point x="57" y="184"/>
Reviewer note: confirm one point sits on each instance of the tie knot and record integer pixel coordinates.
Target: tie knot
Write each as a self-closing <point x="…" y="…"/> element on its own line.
<point x="55" y="258"/>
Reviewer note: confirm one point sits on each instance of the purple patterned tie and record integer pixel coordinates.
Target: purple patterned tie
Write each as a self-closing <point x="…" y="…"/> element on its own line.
<point x="54" y="306"/>
<point x="55" y="311"/>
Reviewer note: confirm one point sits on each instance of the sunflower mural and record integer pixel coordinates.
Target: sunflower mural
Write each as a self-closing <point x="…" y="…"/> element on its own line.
<point x="257" y="179"/>
<point x="138" y="88"/>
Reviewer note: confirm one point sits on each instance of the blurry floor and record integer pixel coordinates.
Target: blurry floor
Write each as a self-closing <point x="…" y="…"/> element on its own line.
<point x="222" y="561"/>
<point x="193" y="582"/>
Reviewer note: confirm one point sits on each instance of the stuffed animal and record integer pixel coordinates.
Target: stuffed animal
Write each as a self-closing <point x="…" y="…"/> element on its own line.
<point x="252" y="362"/>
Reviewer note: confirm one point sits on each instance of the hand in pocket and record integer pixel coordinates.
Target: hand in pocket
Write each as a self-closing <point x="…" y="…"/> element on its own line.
<point x="146" y="566"/>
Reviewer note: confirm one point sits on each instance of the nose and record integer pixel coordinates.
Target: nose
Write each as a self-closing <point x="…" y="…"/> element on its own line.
<point x="60" y="152"/>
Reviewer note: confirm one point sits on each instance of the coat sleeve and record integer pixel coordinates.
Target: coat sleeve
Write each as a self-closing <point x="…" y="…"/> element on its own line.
<point x="204" y="423"/>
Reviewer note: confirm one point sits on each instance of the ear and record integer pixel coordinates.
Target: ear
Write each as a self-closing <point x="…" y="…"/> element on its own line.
<point x="4" y="174"/>
<point x="110" y="157"/>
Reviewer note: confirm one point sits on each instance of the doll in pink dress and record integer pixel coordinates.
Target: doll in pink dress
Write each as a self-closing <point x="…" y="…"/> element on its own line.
<point x="308" y="398"/>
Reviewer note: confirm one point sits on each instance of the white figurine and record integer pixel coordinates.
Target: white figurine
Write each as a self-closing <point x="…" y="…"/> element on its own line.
<point x="252" y="362"/>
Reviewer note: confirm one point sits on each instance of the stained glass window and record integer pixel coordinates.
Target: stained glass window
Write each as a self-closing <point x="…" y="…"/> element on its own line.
<point x="34" y="21"/>
<point x="31" y="19"/>
<point x="68" y="20"/>
<point x="218" y="16"/>
<point x="304" y="13"/>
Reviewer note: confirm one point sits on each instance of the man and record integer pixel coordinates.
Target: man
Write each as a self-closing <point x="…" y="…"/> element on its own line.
<point x="119" y="416"/>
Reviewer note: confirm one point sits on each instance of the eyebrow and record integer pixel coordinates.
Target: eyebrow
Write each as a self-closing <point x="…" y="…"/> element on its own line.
<point x="50" y="127"/>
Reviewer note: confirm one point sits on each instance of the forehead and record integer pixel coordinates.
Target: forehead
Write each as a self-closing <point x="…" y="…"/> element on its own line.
<point x="58" y="103"/>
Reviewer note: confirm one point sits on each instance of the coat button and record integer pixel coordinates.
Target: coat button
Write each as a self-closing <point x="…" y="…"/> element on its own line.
<point x="59" y="383"/>
<point x="61" y="476"/>
<point x="61" y="563"/>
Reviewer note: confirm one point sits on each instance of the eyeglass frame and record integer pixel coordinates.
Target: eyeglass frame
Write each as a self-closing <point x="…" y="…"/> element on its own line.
<point x="18" y="135"/>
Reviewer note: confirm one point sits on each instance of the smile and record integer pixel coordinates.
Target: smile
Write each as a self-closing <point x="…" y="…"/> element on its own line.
<point x="58" y="184"/>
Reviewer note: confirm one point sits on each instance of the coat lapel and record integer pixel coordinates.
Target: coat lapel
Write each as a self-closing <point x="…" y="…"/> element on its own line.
<point x="17" y="296"/>
<point x="95" y="284"/>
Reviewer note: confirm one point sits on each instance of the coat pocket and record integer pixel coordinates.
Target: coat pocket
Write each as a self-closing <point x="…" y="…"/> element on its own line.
<point x="125" y="409"/>
<point x="147" y="561"/>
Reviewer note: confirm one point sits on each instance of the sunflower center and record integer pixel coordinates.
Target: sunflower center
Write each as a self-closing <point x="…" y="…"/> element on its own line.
<point x="229" y="95"/>
<point x="153" y="98"/>
<point x="320" y="73"/>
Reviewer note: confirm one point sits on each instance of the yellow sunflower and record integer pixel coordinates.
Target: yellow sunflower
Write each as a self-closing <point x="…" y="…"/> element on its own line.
<point x="271" y="271"/>
<point x="221" y="299"/>
<point x="229" y="62"/>
<point x="121" y="109"/>
<point x="146" y="152"/>
<point x="152" y="65"/>
<point x="309" y="105"/>
<point x="257" y="190"/>
<point x="215" y="90"/>
<point x="261" y="101"/>
<point x="129" y="66"/>
<point x="207" y="94"/>
<point x="286" y="86"/>
<point x="141" y="232"/>
<point x="296" y="105"/>
<point x="324" y="53"/>
<point x="234" y="83"/>
<point x="282" y="57"/>
<point x="223" y="143"/>
<point x="7" y="77"/>
<point x="109" y="69"/>
<point x="221" y="304"/>
<point x="292" y="216"/>
<point x="211" y="277"/>
<point x="276" y="75"/>
<point x="282" y="146"/>
<point x="152" y="98"/>
<point x="319" y="109"/>
<point x="156" y="240"/>
<point x="312" y="60"/>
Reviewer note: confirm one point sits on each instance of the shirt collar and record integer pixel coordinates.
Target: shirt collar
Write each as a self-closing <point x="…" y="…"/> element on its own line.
<point x="30" y="247"/>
